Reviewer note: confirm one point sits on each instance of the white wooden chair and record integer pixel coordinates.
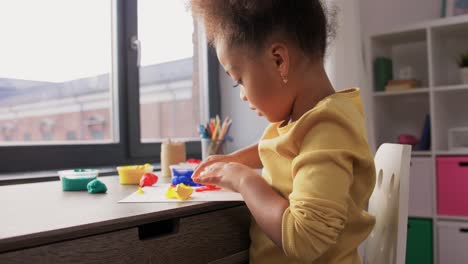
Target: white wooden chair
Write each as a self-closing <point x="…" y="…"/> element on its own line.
<point x="389" y="204"/>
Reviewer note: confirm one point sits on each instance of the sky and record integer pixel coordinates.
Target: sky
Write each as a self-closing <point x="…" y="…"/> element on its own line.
<point x="61" y="40"/>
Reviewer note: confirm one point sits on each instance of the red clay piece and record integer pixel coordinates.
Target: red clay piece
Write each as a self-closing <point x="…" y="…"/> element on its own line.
<point x="208" y="187"/>
<point x="148" y="179"/>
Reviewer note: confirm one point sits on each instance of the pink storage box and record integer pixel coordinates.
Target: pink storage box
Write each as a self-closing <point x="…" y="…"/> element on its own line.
<point x="452" y="186"/>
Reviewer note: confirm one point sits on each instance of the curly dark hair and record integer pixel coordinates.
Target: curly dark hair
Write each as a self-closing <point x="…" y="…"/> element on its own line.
<point x="251" y="22"/>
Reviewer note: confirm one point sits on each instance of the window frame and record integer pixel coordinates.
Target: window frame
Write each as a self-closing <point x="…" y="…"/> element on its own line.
<point x="128" y="149"/>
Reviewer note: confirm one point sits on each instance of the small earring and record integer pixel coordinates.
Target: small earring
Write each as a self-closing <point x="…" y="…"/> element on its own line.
<point x="285" y="80"/>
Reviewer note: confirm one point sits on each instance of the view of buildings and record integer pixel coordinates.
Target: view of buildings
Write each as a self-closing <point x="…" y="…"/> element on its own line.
<point x="81" y="110"/>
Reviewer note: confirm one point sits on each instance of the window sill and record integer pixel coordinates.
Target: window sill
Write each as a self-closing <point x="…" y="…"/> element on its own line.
<point x="50" y="175"/>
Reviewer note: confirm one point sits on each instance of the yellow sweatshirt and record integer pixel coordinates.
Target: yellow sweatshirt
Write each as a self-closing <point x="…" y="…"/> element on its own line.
<point x="323" y="165"/>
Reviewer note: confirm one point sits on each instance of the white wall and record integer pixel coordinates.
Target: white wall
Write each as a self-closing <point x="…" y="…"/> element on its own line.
<point x="344" y="60"/>
<point x="380" y="15"/>
<point x="357" y="20"/>
<point x="247" y="127"/>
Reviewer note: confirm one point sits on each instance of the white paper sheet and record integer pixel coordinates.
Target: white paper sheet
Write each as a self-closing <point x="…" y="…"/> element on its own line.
<point x="156" y="194"/>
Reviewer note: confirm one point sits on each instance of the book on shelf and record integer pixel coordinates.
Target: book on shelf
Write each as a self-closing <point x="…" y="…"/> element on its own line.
<point x="401" y="85"/>
<point x="425" y="141"/>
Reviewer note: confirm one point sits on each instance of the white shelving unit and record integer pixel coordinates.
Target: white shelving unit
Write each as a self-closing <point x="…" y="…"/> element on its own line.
<point x="431" y="49"/>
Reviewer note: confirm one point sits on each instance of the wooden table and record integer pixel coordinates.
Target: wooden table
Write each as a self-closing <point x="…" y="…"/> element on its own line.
<point x="39" y="223"/>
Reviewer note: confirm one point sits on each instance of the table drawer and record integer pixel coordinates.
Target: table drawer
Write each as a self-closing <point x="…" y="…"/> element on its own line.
<point x="202" y="238"/>
<point x="194" y="239"/>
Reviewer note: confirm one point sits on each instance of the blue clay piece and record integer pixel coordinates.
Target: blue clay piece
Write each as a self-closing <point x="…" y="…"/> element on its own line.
<point x="96" y="186"/>
<point x="183" y="176"/>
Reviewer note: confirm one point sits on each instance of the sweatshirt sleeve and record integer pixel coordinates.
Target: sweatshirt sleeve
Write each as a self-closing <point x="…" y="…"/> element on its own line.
<point x="323" y="174"/>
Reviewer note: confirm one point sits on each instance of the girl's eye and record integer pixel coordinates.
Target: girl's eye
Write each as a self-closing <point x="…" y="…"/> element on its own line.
<point x="237" y="83"/>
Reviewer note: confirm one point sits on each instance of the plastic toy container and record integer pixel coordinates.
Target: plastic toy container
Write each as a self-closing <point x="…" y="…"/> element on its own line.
<point x="77" y="179"/>
<point x="133" y="173"/>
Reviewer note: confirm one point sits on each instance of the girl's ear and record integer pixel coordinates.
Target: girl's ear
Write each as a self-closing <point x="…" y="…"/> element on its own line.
<point x="280" y="55"/>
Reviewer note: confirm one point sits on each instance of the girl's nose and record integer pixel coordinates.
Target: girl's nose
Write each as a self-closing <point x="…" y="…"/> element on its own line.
<point x="242" y="95"/>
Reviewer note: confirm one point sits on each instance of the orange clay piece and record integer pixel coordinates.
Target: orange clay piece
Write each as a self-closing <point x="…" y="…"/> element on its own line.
<point x="180" y="192"/>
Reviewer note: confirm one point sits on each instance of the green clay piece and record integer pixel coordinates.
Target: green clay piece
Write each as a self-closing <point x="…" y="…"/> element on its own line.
<point x="96" y="186"/>
<point x="76" y="184"/>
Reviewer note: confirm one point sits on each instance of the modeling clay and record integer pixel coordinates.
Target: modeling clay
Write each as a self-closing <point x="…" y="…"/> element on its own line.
<point x="96" y="186"/>
<point x="140" y="190"/>
<point x="194" y="161"/>
<point x="183" y="191"/>
<point x="208" y="187"/>
<point x="170" y="193"/>
<point x="148" y="179"/>
<point x="180" y="192"/>
<point x="183" y="174"/>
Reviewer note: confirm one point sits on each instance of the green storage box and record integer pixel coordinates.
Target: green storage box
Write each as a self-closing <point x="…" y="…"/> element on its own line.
<point x="419" y="241"/>
<point x="383" y="72"/>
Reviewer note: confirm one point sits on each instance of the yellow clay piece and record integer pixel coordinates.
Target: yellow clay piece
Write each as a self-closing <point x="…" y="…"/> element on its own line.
<point x="183" y="191"/>
<point x="180" y="192"/>
<point x="140" y="190"/>
<point x="170" y="193"/>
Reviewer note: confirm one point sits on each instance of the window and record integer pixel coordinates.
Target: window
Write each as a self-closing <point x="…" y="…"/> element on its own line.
<point x="96" y="125"/>
<point x="27" y="137"/>
<point x="46" y="128"/>
<point x="169" y="100"/>
<point x="100" y="83"/>
<point x="71" y="135"/>
<point x="8" y="130"/>
<point x="57" y="70"/>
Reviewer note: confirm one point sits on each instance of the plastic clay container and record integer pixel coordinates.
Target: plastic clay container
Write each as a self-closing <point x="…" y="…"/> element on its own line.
<point x="78" y="179"/>
<point x="133" y="173"/>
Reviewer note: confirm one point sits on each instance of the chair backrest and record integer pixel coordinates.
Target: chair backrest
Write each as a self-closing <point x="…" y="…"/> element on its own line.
<point x="389" y="204"/>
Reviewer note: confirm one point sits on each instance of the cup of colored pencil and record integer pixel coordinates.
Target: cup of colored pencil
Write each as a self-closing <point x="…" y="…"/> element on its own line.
<point x="213" y="136"/>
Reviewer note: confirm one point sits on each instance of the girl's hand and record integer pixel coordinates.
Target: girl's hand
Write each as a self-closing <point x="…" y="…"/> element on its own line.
<point x="226" y="175"/>
<point x="211" y="160"/>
